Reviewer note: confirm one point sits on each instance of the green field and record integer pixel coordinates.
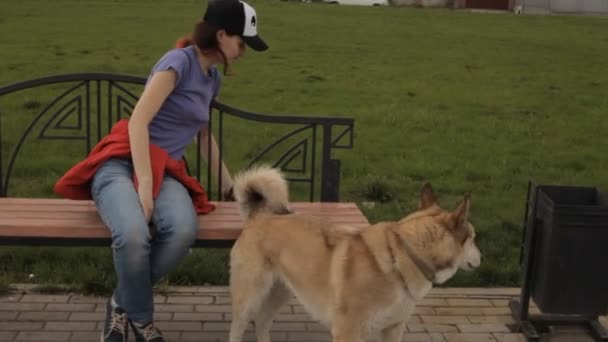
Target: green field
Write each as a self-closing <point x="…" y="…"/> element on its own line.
<point x="468" y="101"/>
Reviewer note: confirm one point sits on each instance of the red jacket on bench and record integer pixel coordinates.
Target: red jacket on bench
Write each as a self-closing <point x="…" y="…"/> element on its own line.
<point x="76" y="183"/>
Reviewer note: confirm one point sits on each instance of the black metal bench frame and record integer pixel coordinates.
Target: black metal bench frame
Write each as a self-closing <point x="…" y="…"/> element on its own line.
<point x="84" y="96"/>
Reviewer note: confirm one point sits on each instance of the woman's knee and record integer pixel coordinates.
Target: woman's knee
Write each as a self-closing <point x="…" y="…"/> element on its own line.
<point x="187" y="228"/>
<point x="174" y="214"/>
<point x="131" y="237"/>
<point x="180" y="227"/>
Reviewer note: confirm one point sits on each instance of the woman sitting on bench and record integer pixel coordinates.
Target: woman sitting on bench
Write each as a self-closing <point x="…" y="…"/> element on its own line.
<point x="136" y="175"/>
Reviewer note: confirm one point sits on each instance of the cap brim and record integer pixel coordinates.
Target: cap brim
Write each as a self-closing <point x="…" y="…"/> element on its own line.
<point x="255" y="43"/>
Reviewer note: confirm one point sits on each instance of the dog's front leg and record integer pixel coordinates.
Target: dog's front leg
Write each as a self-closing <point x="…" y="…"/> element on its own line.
<point x="393" y="333"/>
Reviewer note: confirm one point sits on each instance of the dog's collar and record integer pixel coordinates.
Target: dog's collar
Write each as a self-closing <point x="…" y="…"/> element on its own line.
<point x="427" y="270"/>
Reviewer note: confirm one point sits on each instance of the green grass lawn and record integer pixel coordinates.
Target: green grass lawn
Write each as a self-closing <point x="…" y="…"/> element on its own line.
<point x="471" y="102"/>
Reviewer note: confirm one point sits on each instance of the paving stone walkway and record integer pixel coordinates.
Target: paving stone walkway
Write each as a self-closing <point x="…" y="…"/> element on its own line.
<point x="202" y="314"/>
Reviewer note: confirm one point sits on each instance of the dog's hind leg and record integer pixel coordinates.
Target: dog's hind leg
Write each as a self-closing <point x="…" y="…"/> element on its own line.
<point x="393" y="333"/>
<point x="347" y="329"/>
<point x="347" y="337"/>
<point x="247" y="297"/>
<point x="250" y="283"/>
<point x="277" y="297"/>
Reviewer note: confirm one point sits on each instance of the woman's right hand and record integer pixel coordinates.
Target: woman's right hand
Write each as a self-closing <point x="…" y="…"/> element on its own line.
<point x="145" y="199"/>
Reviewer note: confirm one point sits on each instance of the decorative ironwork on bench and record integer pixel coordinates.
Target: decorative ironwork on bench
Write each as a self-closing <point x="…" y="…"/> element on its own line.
<point x="85" y="106"/>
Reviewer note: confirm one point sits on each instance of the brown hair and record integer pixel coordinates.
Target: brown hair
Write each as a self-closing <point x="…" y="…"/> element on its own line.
<point x="204" y="36"/>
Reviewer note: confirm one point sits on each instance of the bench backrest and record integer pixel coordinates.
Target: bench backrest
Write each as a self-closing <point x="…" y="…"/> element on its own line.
<point x="48" y="124"/>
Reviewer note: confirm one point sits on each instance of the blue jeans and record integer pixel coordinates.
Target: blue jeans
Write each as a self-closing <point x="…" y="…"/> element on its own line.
<point x="140" y="261"/>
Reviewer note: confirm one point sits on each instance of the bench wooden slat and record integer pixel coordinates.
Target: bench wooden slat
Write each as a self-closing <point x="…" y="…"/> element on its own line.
<point x="61" y="205"/>
<point x="43" y="221"/>
<point x="91" y="217"/>
<point x="63" y="202"/>
<point x="220" y="214"/>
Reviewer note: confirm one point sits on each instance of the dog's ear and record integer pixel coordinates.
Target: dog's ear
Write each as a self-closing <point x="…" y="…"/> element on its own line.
<point x="427" y="196"/>
<point x="461" y="214"/>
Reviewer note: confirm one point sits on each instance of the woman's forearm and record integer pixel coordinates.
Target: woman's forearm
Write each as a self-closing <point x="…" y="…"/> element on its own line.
<point x="139" y="139"/>
<point x="155" y="93"/>
<point x="209" y="146"/>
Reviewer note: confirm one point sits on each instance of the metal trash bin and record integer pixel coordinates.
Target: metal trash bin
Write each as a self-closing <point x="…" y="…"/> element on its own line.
<point x="570" y="270"/>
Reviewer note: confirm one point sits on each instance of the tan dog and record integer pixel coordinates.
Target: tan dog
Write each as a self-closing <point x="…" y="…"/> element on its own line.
<point x="357" y="282"/>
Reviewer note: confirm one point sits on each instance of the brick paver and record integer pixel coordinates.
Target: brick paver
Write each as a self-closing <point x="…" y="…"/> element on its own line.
<point x="203" y="314"/>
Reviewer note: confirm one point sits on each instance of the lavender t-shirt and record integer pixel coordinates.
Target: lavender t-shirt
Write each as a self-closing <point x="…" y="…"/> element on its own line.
<point x="186" y="109"/>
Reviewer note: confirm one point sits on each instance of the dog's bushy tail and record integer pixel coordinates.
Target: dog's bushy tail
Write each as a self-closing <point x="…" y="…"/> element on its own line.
<point x="261" y="189"/>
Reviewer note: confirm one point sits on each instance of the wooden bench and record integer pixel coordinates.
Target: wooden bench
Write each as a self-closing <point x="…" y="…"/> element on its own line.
<point x="98" y="100"/>
<point x="40" y="221"/>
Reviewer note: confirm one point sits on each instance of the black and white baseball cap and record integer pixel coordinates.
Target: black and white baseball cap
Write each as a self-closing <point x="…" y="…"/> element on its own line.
<point x="236" y="17"/>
